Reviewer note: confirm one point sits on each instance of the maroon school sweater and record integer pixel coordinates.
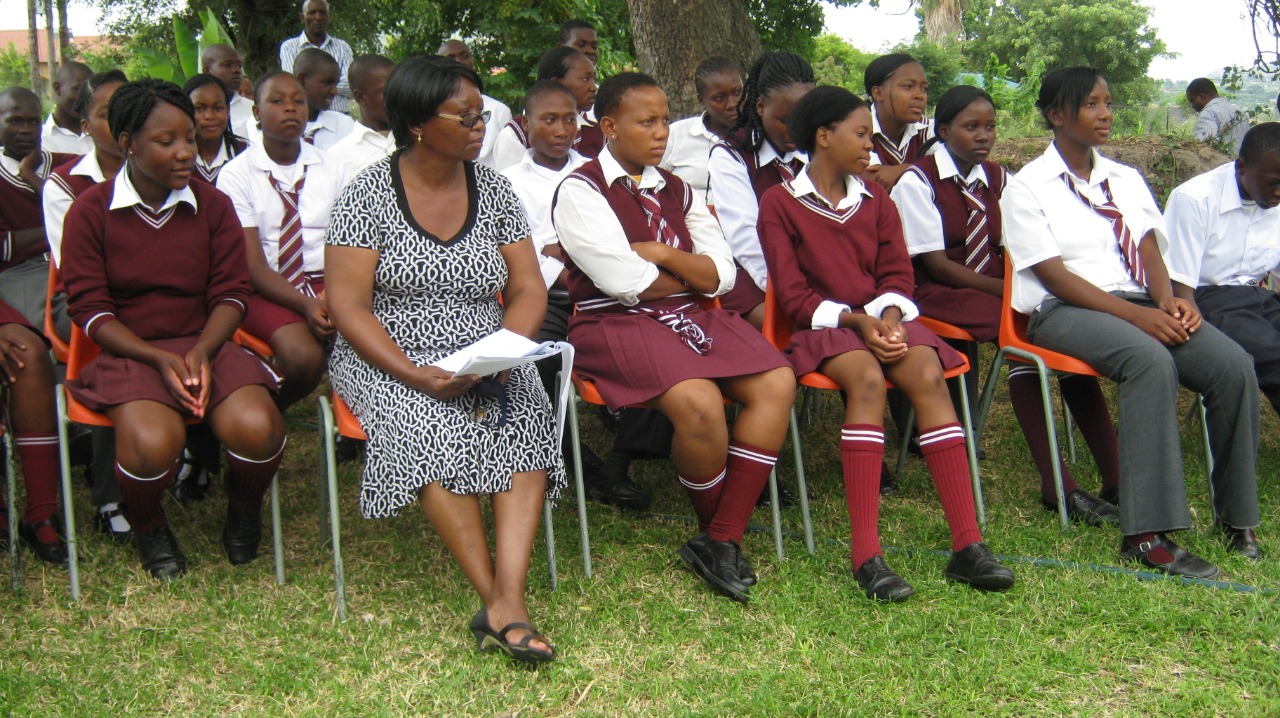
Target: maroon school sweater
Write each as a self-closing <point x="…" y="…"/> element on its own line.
<point x="160" y="275"/>
<point x="816" y="253"/>
<point x="20" y="208"/>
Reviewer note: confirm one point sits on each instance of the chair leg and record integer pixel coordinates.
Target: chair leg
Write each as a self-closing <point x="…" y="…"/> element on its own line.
<point x="551" y="543"/>
<point x="907" y="427"/>
<point x="581" y="490"/>
<point x="1068" y="424"/>
<point x="988" y="394"/>
<point x="1054" y="460"/>
<point x="802" y="484"/>
<point x="777" y="513"/>
<point x="68" y="515"/>
<point x="328" y="433"/>
<point x="12" y="514"/>
<point x="1208" y="451"/>
<point x="971" y="448"/>
<point x="277" y="535"/>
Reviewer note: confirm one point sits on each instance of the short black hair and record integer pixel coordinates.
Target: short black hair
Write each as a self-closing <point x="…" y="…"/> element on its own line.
<point x="542" y="88"/>
<point x="1260" y="141"/>
<point x="883" y="67"/>
<point x="311" y="60"/>
<point x="569" y="26"/>
<point x="417" y="88"/>
<point x="200" y="80"/>
<point x="18" y="93"/>
<point x="713" y="65"/>
<point x="823" y="106"/>
<point x="1201" y="85"/>
<point x="262" y="82"/>
<point x="70" y="66"/>
<point x="554" y="63"/>
<point x="92" y="85"/>
<point x="609" y="96"/>
<point x="132" y="104"/>
<point x="1065" y="90"/>
<point x="771" y="71"/>
<point x="362" y="67"/>
<point x="955" y="100"/>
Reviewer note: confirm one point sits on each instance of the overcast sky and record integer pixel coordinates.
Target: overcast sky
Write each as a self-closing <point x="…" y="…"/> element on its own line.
<point x="1204" y="41"/>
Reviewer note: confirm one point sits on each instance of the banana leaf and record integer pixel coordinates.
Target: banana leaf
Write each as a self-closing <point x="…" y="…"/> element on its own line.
<point x="159" y="66"/>
<point x="188" y="49"/>
<point x="214" y="33"/>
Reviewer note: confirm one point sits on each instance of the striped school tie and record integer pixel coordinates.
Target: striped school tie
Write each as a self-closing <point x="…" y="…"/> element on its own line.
<point x="1111" y="213"/>
<point x="658" y="227"/>
<point x="289" y="259"/>
<point x="310" y="136"/>
<point x="788" y="170"/>
<point x="977" y="245"/>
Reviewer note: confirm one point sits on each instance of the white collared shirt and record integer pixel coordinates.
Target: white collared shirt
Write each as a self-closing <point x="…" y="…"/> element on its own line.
<point x="54" y="138"/>
<point x="246" y="180"/>
<point x="509" y="149"/>
<point x="921" y="221"/>
<point x="219" y="159"/>
<point x="125" y="195"/>
<point x="911" y="130"/>
<point x="360" y="148"/>
<point x="1043" y="219"/>
<point x="499" y="116"/>
<point x="326" y="130"/>
<point x="590" y="232"/>
<point x="535" y="185"/>
<point x="338" y="49"/>
<point x="737" y="207"/>
<point x="1216" y="237"/>
<point x="57" y="202"/>
<point x="240" y="111"/>
<point x="689" y="152"/>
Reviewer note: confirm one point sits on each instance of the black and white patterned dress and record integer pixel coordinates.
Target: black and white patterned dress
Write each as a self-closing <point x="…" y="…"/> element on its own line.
<point x="435" y="297"/>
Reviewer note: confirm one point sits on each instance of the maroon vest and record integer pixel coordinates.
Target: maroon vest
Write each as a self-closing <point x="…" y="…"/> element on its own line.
<point x="955" y="213"/>
<point x="675" y="199"/>
<point x="887" y="150"/>
<point x="588" y="142"/>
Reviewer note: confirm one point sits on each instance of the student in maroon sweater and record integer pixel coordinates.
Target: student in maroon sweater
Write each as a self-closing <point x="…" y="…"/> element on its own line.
<point x="641" y="248"/>
<point x="835" y="253"/>
<point x="27" y="373"/>
<point x="899" y="93"/>
<point x="156" y="275"/>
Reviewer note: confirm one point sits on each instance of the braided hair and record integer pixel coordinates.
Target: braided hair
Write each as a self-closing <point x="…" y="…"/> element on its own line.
<point x="772" y="71"/>
<point x="91" y="85"/>
<point x="132" y="104"/>
<point x="201" y="80"/>
<point x="554" y="63"/>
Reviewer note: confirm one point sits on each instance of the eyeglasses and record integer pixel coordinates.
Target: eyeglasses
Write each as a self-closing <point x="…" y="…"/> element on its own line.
<point x="470" y="119"/>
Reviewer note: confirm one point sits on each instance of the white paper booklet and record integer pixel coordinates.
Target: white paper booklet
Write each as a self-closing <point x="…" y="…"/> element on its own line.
<point x="498" y="352"/>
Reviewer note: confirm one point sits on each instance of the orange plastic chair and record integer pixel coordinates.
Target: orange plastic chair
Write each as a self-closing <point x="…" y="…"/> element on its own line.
<point x="81" y="351"/>
<point x="777" y="329"/>
<point x="252" y="343"/>
<point x="60" y="348"/>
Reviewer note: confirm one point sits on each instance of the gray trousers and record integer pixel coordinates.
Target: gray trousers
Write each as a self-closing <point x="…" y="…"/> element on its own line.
<point x="24" y="288"/>
<point x="1251" y="316"/>
<point x="1153" y="494"/>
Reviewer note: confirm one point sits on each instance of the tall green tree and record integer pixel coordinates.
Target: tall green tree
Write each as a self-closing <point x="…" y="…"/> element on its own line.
<point x="1111" y="35"/>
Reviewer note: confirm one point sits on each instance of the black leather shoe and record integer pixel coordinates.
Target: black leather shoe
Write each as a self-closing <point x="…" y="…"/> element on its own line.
<point x="1243" y="542"/>
<point x="53" y="553"/>
<point x="1168" y="557"/>
<point x="975" y="566"/>
<point x="103" y="525"/>
<point x="1086" y="508"/>
<point x="1111" y="495"/>
<point x="191" y="483"/>
<point x="160" y="554"/>
<point x="888" y="482"/>
<point x="241" y="536"/>
<point x="746" y="574"/>
<point x="881" y="582"/>
<point x="786" y="499"/>
<point x="716" y="562"/>
<point x="607" y="482"/>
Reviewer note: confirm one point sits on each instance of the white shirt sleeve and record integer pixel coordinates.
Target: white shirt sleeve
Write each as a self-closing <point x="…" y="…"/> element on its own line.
<point x="921" y="221"/>
<point x="236" y="185"/>
<point x="498" y="119"/>
<point x="738" y="211"/>
<point x="1188" y="234"/>
<point x="1026" y="232"/>
<point x="591" y="234"/>
<point x="56" y="203"/>
<point x="708" y="241"/>
<point x="507" y="150"/>
<point x="827" y="315"/>
<point x="892" y="299"/>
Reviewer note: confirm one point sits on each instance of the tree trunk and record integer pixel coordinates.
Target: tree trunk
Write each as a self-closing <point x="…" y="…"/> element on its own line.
<point x="64" y="31"/>
<point x="33" y="50"/>
<point x="259" y="26"/>
<point x="942" y="20"/>
<point x="50" y="34"/>
<point x="672" y="36"/>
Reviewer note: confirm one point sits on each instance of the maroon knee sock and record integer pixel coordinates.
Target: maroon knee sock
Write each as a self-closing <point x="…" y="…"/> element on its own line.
<point x="861" y="455"/>
<point x="1028" y="407"/>
<point x="142" y="497"/>
<point x="38" y="454"/>
<point x="248" y="480"/>
<point x="1089" y="407"/>
<point x="944" y="452"/>
<point x="746" y="473"/>
<point x="704" y="494"/>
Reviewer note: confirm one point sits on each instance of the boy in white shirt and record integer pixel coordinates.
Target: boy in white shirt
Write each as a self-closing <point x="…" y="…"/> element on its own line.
<point x="371" y="140"/>
<point x="319" y="74"/>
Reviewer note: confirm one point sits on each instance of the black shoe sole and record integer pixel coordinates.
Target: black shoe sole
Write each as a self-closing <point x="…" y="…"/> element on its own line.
<point x="693" y="562"/>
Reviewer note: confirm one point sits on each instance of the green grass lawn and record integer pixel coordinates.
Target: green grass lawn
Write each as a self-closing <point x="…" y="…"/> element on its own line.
<point x="645" y="637"/>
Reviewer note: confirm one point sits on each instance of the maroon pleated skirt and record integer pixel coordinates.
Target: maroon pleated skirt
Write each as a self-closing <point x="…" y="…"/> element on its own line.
<point x="810" y="347"/>
<point x="744" y="296"/>
<point x="111" y="380"/>
<point x="264" y="317"/>
<point x="972" y="310"/>
<point x="9" y="315"/>
<point x="633" y="358"/>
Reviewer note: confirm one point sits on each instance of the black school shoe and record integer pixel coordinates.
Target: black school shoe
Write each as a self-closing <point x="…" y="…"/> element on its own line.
<point x="102" y="523"/>
<point x="1165" y="556"/>
<point x="241" y="536"/>
<point x="716" y="562"/>
<point x="54" y="552"/>
<point x="975" y="566"/>
<point x="1242" y="541"/>
<point x="881" y="582"/>
<point x="1086" y="508"/>
<point x="159" y="552"/>
<point x="191" y="483"/>
<point x="607" y="481"/>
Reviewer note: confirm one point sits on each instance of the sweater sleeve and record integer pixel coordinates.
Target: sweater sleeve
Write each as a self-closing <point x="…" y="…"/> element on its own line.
<point x="778" y="239"/>
<point x="84" y="266"/>
<point x="228" y="263"/>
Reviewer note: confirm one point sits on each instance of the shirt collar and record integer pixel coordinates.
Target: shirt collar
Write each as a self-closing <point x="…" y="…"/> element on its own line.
<point x="699" y="129"/>
<point x="305" y="42"/>
<point x="947" y="168"/>
<point x="218" y="159"/>
<point x="88" y="166"/>
<point x="124" y="194"/>
<point x="854" y="189"/>
<point x="907" y="133"/>
<point x="1053" y="166"/>
<point x="308" y="155"/>
<point x="529" y="166"/>
<point x="1229" y="198"/>
<point x="52" y="126"/>
<point x="650" y="178"/>
<point x="767" y="154"/>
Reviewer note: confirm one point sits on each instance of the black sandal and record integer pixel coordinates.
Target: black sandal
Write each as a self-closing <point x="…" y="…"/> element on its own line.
<point x="487" y="638"/>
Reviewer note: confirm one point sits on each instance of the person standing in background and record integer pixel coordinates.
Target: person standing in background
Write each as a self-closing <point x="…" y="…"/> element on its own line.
<point x="1219" y="120"/>
<point x="315" y="33"/>
<point x="61" y="131"/>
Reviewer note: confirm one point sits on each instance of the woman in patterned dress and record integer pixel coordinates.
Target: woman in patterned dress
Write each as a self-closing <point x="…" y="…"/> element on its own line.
<point x="420" y="245"/>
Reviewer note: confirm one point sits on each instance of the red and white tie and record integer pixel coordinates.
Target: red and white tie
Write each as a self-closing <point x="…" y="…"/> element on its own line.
<point x="977" y="245"/>
<point x="1111" y="213"/>
<point x="788" y="170"/>
<point x="658" y="227"/>
<point x="289" y="259"/>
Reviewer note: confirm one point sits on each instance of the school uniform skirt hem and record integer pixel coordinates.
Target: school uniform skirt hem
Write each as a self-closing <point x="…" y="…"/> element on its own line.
<point x="810" y="347"/>
<point x="973" y="310"/>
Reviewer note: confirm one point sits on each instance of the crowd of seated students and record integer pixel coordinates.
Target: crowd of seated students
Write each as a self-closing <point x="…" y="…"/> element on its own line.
<point x="170" y="218"/>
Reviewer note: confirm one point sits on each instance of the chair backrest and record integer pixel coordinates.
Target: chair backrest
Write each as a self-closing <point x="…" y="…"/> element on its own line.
<point x="348" y="424"/>
<point x="81" y="351"/>
<point x="60" y="348"/>
<point x="777" y="325"/>
<point x="1013" y="324"/>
